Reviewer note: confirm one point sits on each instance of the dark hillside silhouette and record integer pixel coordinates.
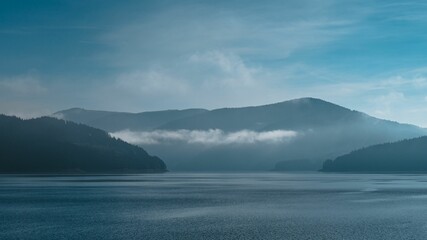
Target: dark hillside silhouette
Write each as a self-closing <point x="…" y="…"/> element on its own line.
<point x="48" y="145"/>
<point x="403" y="156"/>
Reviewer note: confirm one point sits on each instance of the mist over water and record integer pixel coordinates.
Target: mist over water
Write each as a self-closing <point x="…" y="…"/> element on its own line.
<point x="208" y="137"/>
<point x="214" y="206"/>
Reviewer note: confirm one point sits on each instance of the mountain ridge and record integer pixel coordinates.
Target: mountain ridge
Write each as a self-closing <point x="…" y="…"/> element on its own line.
<point x="323" y="130"/>
<point x="107" y="120"/>
<point x="304" y="100"/>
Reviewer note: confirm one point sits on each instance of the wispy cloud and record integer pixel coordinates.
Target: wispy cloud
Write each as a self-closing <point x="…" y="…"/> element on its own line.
<point x="226" y="69"/>
<point x="151" y="82"/>
<point x="22" y="84"/>
<point x="275" y="31"/>
<point x="209" y="137"/>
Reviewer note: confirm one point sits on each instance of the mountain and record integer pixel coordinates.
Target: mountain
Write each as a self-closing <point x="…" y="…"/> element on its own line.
<point x="250" y="138"/>
<point x="48" y="145"/>
<point x="403" y="156"/>
<point x="296" y="114"/>
<point x="116" y="121"/>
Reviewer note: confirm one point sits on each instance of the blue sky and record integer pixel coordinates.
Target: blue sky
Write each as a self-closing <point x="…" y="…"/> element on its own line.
<point x="153" y="55"/>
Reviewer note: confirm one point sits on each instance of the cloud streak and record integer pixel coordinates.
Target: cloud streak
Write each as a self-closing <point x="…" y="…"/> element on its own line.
<point x="22" y="85"/>
<point x="207" y="137"/>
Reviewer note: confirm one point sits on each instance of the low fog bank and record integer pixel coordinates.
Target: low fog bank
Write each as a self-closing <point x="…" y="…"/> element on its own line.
<point x="208" y="137"/>
<point x="219" y="150"/>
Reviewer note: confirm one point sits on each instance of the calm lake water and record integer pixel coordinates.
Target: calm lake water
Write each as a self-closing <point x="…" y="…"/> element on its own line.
<point x="214" y="206"/>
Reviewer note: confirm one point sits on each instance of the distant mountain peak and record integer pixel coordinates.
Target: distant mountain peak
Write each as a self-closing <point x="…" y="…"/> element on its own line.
<point x="71" y="110"/>
<point x="307" y="99"/>
<point x="311" y="100"/>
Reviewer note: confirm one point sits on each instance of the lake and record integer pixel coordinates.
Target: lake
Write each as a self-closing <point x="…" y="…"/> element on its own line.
<point x="214" y="206"/>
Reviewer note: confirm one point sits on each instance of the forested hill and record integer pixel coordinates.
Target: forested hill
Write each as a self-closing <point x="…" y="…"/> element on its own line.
<point x="48" y="145"/>
<point x="403" y="156"/>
